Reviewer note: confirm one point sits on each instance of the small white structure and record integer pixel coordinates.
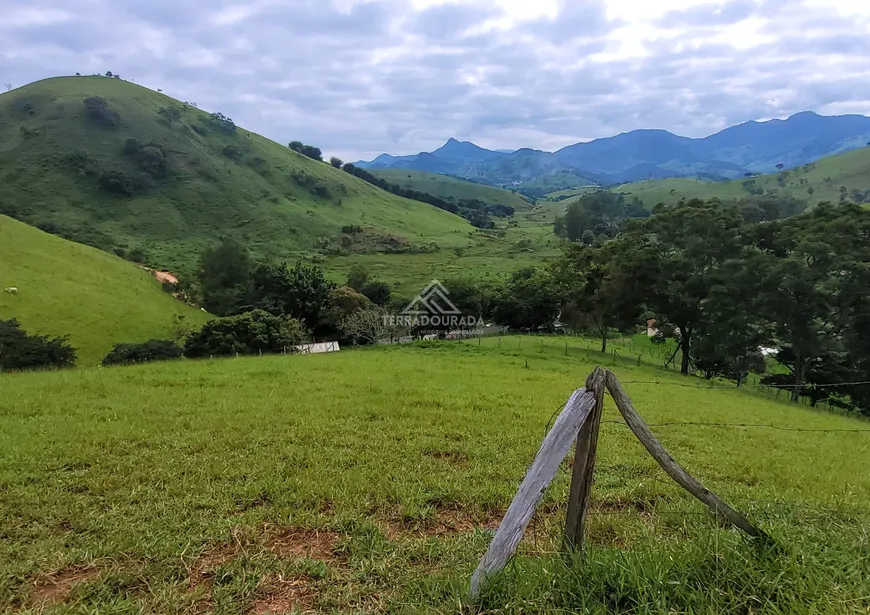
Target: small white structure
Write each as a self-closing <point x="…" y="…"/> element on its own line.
<point x="317" y="348"/>
<point x="12" y="290"/>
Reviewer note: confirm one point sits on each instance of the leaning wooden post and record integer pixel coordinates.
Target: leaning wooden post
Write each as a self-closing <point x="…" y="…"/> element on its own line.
<point x="556" y="445"/>
<point x="584" y="465"/>
<point x="675" y="470"/>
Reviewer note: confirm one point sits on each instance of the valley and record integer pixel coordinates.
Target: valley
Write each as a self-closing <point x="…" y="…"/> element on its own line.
<point x="262" y="437"/>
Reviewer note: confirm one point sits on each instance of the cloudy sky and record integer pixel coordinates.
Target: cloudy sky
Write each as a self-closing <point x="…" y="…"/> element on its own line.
<point x="361" y="77"/>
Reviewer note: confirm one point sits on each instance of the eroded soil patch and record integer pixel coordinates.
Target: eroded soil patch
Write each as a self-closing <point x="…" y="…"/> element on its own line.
<point x="56" y="588"/>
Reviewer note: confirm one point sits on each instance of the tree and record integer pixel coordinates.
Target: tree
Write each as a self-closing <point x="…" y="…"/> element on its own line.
<point x="254" y="332"/>
<point x="729" y="340"/>
<point x="307" y="150"/>
<point x="528" y="301"/>
<point x="599" y="212"/>
<point x="344" y="301"/>
<point x="225" y="278"/>
<point x="370" y="325"/>
<point x="336" y="162"/>
<point x="20" y="351"/>
<point x="472" y="298"/>
<point x="378" y="292"/>
<point x="301" y="292"/>
<point x="815" y="267"/>
<point x="357" y="277"/>
<point x="600" y="289"/>
<point x="685" y="246"/>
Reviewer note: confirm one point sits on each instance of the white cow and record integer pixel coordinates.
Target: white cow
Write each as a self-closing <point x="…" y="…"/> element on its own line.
<point x="12" y="290"/>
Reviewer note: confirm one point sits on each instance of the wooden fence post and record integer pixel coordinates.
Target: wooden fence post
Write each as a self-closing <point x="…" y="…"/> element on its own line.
<point x="553" y="450"/>
<point x="584" y="465"/>
<point x="673" y="469"/>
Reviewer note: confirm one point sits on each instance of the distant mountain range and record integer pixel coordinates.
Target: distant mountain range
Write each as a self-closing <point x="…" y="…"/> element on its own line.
<point x="752" y="147"/>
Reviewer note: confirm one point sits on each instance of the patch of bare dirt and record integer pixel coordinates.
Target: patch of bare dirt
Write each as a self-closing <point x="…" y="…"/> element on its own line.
<point x="457" y="458"/>
<point x="56" y="588"/>
<point x="297" y="542"/>
<point x="291" y="595"/>
<point x="203" y="569"/>
<point x="446" y="522"/>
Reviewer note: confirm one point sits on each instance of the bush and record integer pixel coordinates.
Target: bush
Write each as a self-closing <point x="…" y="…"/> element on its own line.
<point x="307" y="150"/>
<point x="222" y="123"/>
<point x="21" y="351"/>
<point x="246" y="334"/>
<point x="98" y="109"/>
<point x="146" y="352"/>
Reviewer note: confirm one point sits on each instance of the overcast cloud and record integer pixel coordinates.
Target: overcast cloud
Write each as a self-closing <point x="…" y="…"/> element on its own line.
<point x="361" y="77"/>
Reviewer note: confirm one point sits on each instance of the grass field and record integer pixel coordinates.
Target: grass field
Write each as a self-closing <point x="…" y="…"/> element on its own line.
<point x="530" y="242"/>
<point x="68" y="288"/>
<point x="813" y="183"/>
<point x="370" y="481"/>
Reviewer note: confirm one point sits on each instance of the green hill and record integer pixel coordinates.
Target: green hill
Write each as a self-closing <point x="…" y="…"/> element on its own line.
<point x="825" y="180"/>
<point x="446" y="187"/>
<point x="124" y="168"/>
<point x="68" y="288"/>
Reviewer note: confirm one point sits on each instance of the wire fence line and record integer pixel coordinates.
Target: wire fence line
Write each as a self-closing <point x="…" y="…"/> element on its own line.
<point x="661" y="357"/>
<point x="742" y="425"/>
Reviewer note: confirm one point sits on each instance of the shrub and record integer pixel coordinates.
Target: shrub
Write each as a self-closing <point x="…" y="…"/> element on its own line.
<point x="222" y="123"/>
<point x="232" y="152"/>
<point x="99" y="110"/>
<point x="170" y="114"/>
<point x="146" y="352"/>
<point x="152" y="160"/>
<point x="21" y="351"/>
<point x="131" y="147"/>
<point x="116" y="181"/>
<point x="307" y="150"/>
<point x="246" y="334"/>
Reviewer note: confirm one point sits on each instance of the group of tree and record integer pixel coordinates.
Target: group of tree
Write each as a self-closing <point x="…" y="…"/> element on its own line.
<point x="307" y="150"/>
<point x="599" y="216"/>
<point x="596" y="217"/>
<point x="231" y="283"/>
<point x="477" y="212"/>
<point x="724" y="287"/>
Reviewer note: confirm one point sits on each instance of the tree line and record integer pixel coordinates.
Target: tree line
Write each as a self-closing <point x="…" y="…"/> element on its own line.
<point x="724" y="285"/>
<point x="477" y="212"/>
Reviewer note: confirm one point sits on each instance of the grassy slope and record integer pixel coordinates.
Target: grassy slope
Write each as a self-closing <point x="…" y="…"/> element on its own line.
<point x="183" y="485"/>
<point x="205" y="194"/>
<point x="68" y="288"/>
<point x="446" y="187"/>
<point x="825" y="177"/>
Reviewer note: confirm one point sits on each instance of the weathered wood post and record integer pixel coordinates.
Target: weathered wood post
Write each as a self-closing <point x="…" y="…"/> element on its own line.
<point x="667" y="463"/>
<point x="584" y="465"/>
<point x="553" y="450"/>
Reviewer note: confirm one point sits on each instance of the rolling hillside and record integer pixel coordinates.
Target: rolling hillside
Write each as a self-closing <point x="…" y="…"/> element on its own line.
<point x="826" y="180"/>
<point x="124" y="168"/>
<point x="446" y="187"/>
<point x="68" y="288"/>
